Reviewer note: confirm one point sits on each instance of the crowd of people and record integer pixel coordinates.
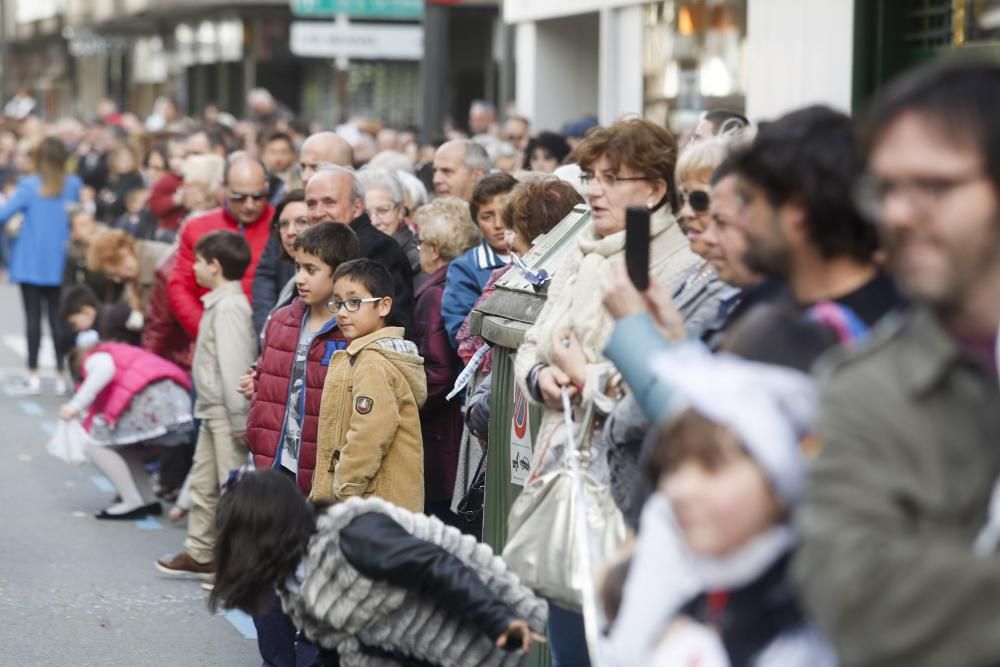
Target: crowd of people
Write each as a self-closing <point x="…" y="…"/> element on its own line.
<point x="780" y="452"/>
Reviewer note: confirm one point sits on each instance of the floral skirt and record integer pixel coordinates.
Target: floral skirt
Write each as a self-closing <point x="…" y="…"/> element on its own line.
<point x="160" y="414"/>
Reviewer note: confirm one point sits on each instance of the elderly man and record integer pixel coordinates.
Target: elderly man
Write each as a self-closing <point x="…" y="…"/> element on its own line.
<point x="319" y="149"/>
<point x="458" y="167"/>
<point x="245" y="211"/>
<point x="334" y="194"/>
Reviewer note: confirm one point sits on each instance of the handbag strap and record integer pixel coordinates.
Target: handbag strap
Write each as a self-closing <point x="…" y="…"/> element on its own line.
<point x="583" y="447"/>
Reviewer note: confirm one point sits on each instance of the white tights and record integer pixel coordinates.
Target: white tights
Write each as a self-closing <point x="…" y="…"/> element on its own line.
<point x="124" y="467"/>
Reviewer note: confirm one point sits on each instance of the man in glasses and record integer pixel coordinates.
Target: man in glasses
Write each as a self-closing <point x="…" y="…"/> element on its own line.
<point x="800" y="220"/>
<point x="245" y="210"/>
<point x="899" y="562"/>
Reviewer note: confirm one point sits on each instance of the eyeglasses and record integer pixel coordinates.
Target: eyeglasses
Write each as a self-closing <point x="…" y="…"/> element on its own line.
<point x="381" y="211"/>
<point x="922" y="194"/>
<point x="698" y="199"/>
<point x="608" y="180"/>
<point x="239" y="197"/>
<point x="352" y="305"/>
<point x="299" y="223"/>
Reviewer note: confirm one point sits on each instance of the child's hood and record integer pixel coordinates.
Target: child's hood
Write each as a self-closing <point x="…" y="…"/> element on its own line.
<point x="403" y="354"/>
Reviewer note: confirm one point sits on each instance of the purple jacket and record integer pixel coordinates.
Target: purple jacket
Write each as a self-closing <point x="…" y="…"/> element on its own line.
<point x="440" y="420"/>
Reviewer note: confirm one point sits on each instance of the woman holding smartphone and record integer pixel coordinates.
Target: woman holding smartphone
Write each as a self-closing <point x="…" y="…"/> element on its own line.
<point x="631" y="163"/>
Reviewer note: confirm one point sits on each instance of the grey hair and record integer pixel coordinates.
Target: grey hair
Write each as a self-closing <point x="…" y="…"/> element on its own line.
<point x="357" y="189"/>
<point x="476" y="157"/>
<point x="415" y="188"/>
<point x="382" y="179"/>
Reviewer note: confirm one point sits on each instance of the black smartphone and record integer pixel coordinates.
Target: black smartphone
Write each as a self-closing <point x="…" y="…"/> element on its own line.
<point x="637" y="246"/>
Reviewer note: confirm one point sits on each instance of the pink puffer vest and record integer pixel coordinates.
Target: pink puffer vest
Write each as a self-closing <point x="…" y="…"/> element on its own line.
<point x="135" y="369"/>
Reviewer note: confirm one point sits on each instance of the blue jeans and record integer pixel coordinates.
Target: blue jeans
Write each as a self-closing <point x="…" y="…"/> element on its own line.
<point x="567" y="638"/>
<point x="279" y="642"/>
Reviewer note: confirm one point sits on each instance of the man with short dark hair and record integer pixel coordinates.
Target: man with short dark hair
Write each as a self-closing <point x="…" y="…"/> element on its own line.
<point x="798" y="214"/>
<point x="898" y="562"/>
<point x="245" y="211"/>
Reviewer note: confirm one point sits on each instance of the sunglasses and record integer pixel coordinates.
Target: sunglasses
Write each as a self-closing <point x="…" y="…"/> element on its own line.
<point x="698" y="199"/>
<point x="239" y="197"/>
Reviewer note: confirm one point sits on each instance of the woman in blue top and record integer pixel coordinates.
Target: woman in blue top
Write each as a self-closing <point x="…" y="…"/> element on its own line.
<point x="39" y="253"/>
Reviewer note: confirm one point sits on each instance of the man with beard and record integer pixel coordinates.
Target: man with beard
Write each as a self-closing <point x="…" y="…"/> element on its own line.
<point x="797" y="211"/>
<point x="898" y="561"/>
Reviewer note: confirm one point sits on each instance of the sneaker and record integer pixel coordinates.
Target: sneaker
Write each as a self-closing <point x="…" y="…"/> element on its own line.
<point x="30" y="386"/>
<point x="62" y="387"/>
<point x="183" y="565"/>
<point x="208" y="583"/>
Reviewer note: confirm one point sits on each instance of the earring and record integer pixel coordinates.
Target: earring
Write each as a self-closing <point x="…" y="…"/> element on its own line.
<point x="650" y="204"/>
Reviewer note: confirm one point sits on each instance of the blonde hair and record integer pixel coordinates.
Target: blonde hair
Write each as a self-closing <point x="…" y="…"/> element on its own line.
<point x="700" y="158"/>
<point x="107" y="248"/>
<point x="447" y="224"/>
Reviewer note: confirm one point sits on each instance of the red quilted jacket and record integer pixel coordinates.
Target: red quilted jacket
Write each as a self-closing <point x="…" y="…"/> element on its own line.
<point x="135" y="369"/>
<point x="266" y="420"/>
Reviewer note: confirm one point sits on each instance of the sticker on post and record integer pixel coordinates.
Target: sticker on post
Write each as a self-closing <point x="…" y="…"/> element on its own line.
<point x="363" y="405"/>
<point x="520" y="440"/>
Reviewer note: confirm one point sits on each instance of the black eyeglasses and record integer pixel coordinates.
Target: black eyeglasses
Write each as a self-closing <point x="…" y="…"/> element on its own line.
<point x="352" y="305"/>
<point x="239" y="197"/>
<point x="698" y="199"/>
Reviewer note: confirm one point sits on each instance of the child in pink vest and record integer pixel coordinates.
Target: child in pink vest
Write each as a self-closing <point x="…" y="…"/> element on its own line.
<point x="128" y="398"/>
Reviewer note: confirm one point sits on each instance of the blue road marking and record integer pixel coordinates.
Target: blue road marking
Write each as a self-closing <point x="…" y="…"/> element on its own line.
<point x="31" y="408"/>
<point x="48" y="428"/>
<point x="102" y="483"/>
<point x="148" y="523"/>
<point x="242" y="622"/>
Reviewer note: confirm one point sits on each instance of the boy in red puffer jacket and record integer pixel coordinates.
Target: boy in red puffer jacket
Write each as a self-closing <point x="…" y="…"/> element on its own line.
<point x="299" y="341"/>
<point x="287" y="385"/>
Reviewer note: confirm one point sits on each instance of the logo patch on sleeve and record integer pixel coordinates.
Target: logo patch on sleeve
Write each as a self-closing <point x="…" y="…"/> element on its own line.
<point x="363" y="405"/>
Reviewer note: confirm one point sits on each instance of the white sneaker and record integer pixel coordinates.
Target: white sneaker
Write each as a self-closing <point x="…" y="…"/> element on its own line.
<point x="62" y="387"/>
<point x="30" y="386"/>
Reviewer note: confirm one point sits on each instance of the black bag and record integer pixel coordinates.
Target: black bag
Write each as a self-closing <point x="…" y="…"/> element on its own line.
<point x="470" y="507"/>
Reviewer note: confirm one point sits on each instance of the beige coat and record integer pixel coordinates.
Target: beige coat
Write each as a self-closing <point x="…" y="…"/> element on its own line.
<point x="369" y="441"/>
<point x="225" y="348"/>
<point x="575" y="302"/>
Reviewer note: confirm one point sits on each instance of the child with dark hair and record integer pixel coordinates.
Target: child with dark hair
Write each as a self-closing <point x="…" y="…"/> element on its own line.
<point x="369" y="441"/>
<point x="468" y="273"/>
<point x="370" y="582"/>
<point x="82" y="311"/>
<point x="225" y="346"/>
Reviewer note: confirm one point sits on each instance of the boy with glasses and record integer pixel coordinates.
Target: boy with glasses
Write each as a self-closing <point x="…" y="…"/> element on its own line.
<point x="369" y="441"/>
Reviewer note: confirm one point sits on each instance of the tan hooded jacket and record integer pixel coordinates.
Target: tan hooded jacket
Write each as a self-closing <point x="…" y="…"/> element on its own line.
<point x="369" y="441"/>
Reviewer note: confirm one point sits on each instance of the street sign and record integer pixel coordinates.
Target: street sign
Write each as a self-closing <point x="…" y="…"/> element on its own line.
<point x="385" y="9"/>
<point x="367" y="41"/>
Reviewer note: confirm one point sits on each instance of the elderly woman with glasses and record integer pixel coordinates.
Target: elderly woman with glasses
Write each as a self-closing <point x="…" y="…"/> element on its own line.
<point x="385" y="203"/>
<point x="630" y="163"/>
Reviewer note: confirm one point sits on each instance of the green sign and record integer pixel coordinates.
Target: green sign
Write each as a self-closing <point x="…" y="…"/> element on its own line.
<point x="389" y="9"/>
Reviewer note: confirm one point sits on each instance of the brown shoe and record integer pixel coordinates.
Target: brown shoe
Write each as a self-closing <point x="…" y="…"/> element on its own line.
<point x="183" y="565"/>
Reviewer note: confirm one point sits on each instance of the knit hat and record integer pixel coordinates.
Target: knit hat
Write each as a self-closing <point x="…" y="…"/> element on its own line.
<point x="769" y="408"/>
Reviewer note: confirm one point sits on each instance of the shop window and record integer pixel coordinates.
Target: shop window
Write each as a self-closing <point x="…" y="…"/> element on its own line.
<point x="694" y="59"/>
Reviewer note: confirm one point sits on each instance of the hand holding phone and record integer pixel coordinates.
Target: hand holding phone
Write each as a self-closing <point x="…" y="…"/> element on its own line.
<point x="637" y="246"/>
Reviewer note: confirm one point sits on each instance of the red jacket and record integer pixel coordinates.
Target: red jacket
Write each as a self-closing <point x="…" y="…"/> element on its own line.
<point x="163" y="334"/>
<point x="135" y="369"/>
<point x="161" y="201"/>
<point x="185" y="293"/>
<point x="266" y="421"/>
<point x="440" y="419"/>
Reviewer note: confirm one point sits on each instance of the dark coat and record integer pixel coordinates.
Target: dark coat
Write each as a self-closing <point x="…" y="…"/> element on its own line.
<point x="440" y="420"/>
<point x="383" y="248"/>
<point x="266" y="420"/>
<point x="163" y="333"/>
<point x="273" y="272"/>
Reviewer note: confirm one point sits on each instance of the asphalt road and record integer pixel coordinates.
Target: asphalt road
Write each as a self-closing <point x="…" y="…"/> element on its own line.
<point x="75" y="590"/>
